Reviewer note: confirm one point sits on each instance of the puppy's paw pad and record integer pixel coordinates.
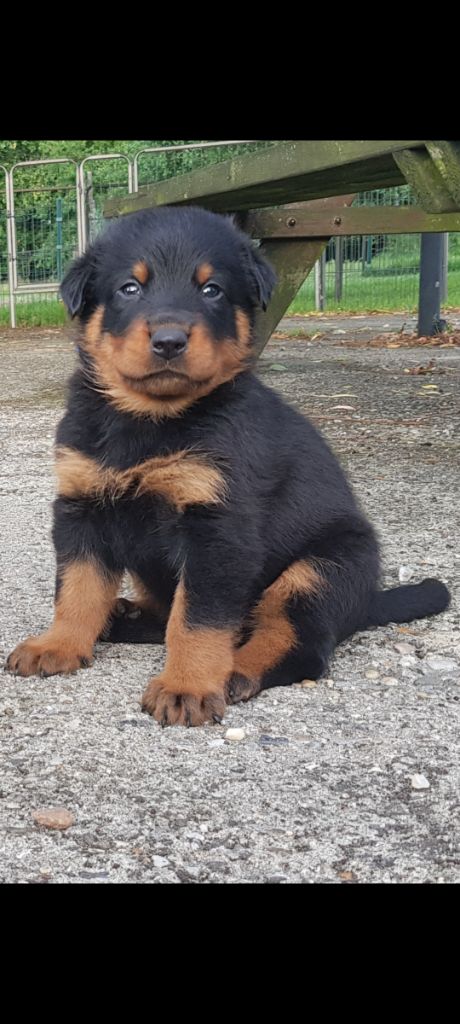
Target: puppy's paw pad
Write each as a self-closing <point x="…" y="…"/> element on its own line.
<point x="172" y="708"/>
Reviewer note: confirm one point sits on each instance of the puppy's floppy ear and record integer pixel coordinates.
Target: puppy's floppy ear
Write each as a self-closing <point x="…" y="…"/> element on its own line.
<point x="75" y="287"/>
<point x="261" y="275"/>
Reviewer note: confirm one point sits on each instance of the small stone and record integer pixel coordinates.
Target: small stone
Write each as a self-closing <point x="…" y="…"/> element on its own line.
<point x="235" y="735"/>
<point x="329" y="682"/>
<point x="440" y="664"/>
<point x="371" y="673"/>
<point x="160" y="862"/>
<point x="93" y="874"/>
<point x="389" y="681"/>
<point x="54" y="817"/>
<point x="216" y="743"/>
<point x="408" y="661"/>
<point x="405" y="573"/>
<point x="419" y="782"/>
<point x="187" y="873"/>
<point x="404" y="648"/>
<point x="133" y="721"/>
<point x="347" y="876"/>
<point x="272" y="741"/>
<point x="307" y="684"/>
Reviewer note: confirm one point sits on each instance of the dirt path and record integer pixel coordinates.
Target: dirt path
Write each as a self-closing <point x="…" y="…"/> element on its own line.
<point x="321" y="787"/>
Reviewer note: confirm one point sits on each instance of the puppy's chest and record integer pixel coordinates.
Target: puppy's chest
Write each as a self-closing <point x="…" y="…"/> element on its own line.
<point x="182" y="479"/>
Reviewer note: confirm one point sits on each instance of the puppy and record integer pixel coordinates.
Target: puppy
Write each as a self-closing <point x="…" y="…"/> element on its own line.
<point x="245" y="544"/>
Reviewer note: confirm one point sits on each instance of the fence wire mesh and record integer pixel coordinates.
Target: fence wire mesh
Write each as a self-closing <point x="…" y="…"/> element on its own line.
<point x="367" y="272"/>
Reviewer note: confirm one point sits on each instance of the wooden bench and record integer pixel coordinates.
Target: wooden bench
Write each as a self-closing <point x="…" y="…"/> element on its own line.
<point x="294" y="196"/>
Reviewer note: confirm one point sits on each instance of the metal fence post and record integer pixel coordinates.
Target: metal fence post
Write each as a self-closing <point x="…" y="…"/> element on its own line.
<point x="59" y="239"/>
<point x="10" y="247"/>
<point x="445" y="266"/>
<point x="320" y="281"/>
<point x="338" y="268"/>
<point x="82" y="189"/>
<point x="431" y="258"/>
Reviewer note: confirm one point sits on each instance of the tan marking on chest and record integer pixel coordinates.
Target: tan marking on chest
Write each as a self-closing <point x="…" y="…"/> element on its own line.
<point x="182" y="479"/>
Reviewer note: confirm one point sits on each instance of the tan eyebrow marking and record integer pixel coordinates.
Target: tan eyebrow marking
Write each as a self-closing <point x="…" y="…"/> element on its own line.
<point x="204" y="272"/>
<point x="140" y="270"/>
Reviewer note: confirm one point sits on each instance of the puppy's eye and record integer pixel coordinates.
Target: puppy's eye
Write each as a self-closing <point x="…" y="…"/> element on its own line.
<point x="211" y="290"/>
<point x="130" y="289"/>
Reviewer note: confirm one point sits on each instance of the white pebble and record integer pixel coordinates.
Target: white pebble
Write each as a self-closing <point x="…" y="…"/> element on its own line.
<point x="160" y="862"/>
<point x="405" y="573"/>
<point x="216" y="743"/>
<point x="419" y="782"/>
<point x="389" y="681"/>
<point x="371" y="673"/>
<point x="235" y="735"/>
<point x="404" y="648"/>
<point x="408" y="660"/>
<point x="440" y="664"/>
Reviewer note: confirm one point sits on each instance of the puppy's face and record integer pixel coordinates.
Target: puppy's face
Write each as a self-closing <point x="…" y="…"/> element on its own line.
<point x="166" y="300"/>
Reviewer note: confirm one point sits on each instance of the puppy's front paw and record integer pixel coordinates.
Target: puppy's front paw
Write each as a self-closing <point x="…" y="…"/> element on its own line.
<point x="43" y="656"/>
<point x="172" y="708"/>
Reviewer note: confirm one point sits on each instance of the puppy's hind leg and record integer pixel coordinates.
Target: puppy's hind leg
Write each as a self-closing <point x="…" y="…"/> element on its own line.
<point x="312" y="606"/>
<point x="129" y="623"/>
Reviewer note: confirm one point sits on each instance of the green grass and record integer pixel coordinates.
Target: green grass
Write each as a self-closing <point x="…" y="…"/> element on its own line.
<point x="361" y="294"/>
<point x="48" y="313"/>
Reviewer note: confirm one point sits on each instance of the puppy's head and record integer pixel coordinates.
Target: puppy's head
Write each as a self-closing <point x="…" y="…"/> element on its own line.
<point x="166" y="300"/>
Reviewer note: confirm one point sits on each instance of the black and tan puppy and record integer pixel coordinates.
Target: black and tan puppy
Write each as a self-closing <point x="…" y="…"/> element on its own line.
<point x="175" y="464"/>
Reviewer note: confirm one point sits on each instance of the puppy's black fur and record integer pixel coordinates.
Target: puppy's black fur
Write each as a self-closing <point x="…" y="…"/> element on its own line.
<point x="180" y="467"/>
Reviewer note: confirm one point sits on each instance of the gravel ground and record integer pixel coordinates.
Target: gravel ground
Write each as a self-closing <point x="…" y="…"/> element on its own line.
<point x="321" y="787"/>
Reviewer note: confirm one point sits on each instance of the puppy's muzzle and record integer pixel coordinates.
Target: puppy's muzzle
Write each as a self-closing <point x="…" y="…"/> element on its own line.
<point x="167" y="342"/>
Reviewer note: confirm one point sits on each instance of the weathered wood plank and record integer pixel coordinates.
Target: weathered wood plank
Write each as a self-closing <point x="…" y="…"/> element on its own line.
<point x="446" y="158"/>
<point x="292" y="259"/>
<point x="428" y="184"/>
<point x="292" y="262"/>
<point x="314" y="219"/>
<point x="286" y="172"/>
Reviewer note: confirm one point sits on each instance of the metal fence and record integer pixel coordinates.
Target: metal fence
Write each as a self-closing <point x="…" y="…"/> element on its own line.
<point x="376" y="272"/>
<point x="50" y="210"/>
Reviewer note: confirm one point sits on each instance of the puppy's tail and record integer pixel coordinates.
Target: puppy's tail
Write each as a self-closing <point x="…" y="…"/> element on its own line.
<point x="402" y="604"/>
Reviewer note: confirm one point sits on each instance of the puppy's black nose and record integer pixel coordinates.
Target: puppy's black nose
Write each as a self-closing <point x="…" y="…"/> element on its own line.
<point x="169" y="342"/>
